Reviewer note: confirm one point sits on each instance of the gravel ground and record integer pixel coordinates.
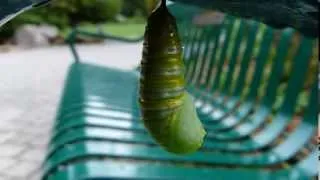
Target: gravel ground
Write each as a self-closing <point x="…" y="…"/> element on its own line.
<point x="31" y="83"/>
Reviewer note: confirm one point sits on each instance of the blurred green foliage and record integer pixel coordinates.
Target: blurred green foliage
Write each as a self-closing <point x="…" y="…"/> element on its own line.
<point x="88" y="10"/>
<point x="143" y="7"/>
<point x="66" y="13"/>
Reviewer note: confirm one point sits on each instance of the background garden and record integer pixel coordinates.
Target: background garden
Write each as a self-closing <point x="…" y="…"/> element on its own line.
<point x="121" y="17"/>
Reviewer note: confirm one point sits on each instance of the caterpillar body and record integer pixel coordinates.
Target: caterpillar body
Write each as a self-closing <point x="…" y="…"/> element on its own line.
<point x="167" y="108"/>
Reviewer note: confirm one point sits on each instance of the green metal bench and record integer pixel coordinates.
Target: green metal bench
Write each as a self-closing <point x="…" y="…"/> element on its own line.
<point x="98" y="133"/>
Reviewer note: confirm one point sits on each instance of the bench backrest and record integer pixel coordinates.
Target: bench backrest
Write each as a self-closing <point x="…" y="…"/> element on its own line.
<point x="250" y="60"/>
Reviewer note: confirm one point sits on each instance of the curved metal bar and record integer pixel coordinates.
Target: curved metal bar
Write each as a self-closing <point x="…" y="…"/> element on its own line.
<point x="71" y="39"/>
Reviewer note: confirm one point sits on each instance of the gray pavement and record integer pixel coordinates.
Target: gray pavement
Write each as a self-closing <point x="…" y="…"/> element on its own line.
<point x="31" y="82"/>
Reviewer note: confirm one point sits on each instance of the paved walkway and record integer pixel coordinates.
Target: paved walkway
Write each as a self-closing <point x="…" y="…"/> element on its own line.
<point x="31" y="83"/>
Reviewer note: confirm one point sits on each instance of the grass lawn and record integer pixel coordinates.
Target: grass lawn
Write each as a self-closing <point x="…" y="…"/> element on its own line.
<point x="125" y="30"/>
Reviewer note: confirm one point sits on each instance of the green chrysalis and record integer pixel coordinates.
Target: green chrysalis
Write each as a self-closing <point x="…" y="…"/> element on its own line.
<point x="168" y="111"/>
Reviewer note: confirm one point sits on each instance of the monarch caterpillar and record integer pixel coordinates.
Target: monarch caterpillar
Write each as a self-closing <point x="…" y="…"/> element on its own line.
<point x="167" y="109"/>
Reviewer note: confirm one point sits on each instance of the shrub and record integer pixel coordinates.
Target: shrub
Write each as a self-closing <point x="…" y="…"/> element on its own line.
<point x="63" y="13"/>
<point x="131" y="7"/>
<point x="90" y="11"/>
